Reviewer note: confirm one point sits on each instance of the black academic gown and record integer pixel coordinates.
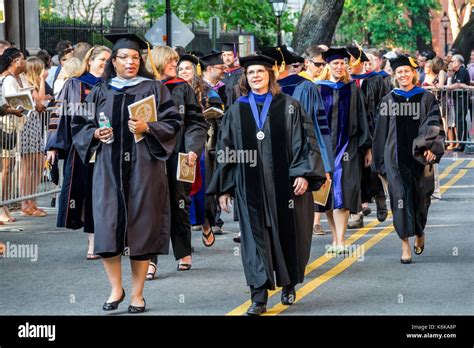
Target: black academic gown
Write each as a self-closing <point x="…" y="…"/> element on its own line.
<point x="350" y="139"/>
<point x="191" y="138"/>
<point x="231" y="80"/>
<point x="399" y="142"/>
<point x="276" y="226"/>
<point x="374" y="89"/>
<point x="130" y="185"/>
<point x="75" y="200"/>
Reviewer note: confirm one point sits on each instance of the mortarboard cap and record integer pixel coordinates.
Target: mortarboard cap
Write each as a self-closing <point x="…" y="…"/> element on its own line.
<point x="357" y="53"/>
<point x="257" y="59"/>
<point x="280" y="54"/>
<point x="192" y="59"/>
<point x="230" y="46"/>
<point x="127" y="40"/>
<point x="212" y="59"/>
<point x="335" y="53"/>
<point x="402" y="61"/>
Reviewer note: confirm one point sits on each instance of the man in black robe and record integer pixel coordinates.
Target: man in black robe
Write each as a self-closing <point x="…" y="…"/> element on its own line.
<point x="373" y="88"/>
<point x="233" y="71"/>
<point x="272" y="191"/>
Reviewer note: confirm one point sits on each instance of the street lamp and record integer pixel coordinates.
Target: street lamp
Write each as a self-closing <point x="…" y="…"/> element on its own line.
<point x="445" y="24"/>
<point x="278" y="6"/>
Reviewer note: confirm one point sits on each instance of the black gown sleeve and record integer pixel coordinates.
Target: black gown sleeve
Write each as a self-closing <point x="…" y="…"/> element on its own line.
<point x="430" y="133"/>
<point x="380" y="137"/>
<point x="195" y="126"/>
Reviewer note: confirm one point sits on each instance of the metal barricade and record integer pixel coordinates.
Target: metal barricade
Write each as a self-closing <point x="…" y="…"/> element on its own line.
<point x="457" y="111"/>
<point x="24" y="171"/>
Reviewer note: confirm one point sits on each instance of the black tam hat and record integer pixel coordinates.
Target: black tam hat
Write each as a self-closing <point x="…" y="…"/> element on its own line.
<point x="402" y="61"/>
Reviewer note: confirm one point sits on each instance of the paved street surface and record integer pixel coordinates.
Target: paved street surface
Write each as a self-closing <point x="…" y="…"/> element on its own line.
<point x="371" y="281"/>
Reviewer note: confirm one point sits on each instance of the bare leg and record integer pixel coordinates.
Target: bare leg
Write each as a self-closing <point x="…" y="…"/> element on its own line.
<point x="406" y="250"/>
<point x="90" y="238"/>
<point x="113" y="267"/>
<point x="139" y="269"/>
<point x="341" y="217"/>
<point x="332" y="226"/>
<point x="317" y="219"/>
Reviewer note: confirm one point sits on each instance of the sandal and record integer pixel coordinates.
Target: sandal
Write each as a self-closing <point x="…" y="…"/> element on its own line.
<point x="33" y="212"/>
<point x="184" y="266"/>
<point x="419" y="249"/>
<point x="92" y="257"/>
<point x="206" y="237"/>
<point x="151" y="275"/>
<point x="7" y="215"/>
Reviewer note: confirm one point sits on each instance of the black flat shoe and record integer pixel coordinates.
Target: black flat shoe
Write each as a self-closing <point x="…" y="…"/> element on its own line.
<point x="135" y="309"/>
<point x="257" y="308"/>
<point x="110" y="306"/>
<point x="288" y="297"/>
<point x="406" y="261"/>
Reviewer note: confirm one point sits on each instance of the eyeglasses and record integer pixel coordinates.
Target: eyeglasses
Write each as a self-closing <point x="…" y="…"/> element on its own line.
<point x="317" y="64"/>
<point x="295" y="66"/>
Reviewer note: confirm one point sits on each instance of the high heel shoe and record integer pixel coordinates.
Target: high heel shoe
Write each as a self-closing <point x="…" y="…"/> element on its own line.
<point x="110" y="306"/>
<point x="137" y="309"/>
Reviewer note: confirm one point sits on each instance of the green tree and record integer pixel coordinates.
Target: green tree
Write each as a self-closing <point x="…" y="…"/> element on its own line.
<point x="251" y="16"/>
<point x="402" y="23"/>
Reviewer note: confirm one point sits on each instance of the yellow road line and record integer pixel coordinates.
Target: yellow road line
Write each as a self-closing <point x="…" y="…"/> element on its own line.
<point x="339" y="268"/>
<point x="450" y="168"/>
<point x="240" y="310"/>
<point x="347" y="262"/>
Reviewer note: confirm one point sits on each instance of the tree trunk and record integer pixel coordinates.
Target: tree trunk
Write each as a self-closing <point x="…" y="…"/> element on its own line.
<point x="317" y="23"/>
<point x="120" y="12"/>
<point x="465" y="40"/>
<point x="423" y="19"/>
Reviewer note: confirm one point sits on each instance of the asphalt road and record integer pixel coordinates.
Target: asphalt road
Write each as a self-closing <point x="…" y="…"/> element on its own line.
<point x="370" y="282"/>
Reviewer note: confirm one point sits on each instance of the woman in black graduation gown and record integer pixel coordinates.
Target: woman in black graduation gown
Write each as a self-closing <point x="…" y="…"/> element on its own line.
<point x="272" y="191"/>
<point x="163" y="61"/>
<point x="408" y="140"/>
<point x="130" y="187"/>
<point x="75" y="200"/>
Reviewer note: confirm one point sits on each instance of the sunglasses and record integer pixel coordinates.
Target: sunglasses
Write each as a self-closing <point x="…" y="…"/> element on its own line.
<point x="317" y="64"/>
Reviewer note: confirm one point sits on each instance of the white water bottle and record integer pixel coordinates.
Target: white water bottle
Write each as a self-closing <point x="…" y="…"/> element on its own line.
<point x="104" y="122"/>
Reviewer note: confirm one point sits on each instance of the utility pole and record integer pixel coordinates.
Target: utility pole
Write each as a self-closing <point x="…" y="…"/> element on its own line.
<point x="168" y="23"/>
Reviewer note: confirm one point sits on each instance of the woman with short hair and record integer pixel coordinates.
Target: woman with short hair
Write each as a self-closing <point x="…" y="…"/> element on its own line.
<point x="408" y="140"/>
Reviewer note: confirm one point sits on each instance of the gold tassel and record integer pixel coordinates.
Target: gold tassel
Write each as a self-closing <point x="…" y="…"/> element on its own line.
<point x="283" y="63"/>
<point x="153" y="67"/>
<point x="275" y="70"/>
<point x="413" y="63"/>
<point x="198" y="69"/>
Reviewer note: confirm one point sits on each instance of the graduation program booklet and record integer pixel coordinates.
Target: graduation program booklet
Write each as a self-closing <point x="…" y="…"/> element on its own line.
<point x="321" y="196"/>
<point x="144" y="110"/>
<point x="185" y="172"/>
<point x="22" y="100"/>
<point x="212" y="112"/>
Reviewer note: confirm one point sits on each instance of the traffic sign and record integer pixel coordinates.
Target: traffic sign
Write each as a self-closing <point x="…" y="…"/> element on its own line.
<point x="180" y="33"/>
<point x="2" y="11"/>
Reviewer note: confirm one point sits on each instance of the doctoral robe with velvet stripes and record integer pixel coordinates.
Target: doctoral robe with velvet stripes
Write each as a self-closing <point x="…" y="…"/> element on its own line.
<point x="275" y="225"/>
<point x="406" y="126"/>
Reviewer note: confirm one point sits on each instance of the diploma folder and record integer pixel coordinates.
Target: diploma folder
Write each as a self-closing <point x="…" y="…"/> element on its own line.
<point x="321" y="196"/>
<point x="185" y="172"/>
<point x="212" y="113"/>
<point x="145" y="110"/>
